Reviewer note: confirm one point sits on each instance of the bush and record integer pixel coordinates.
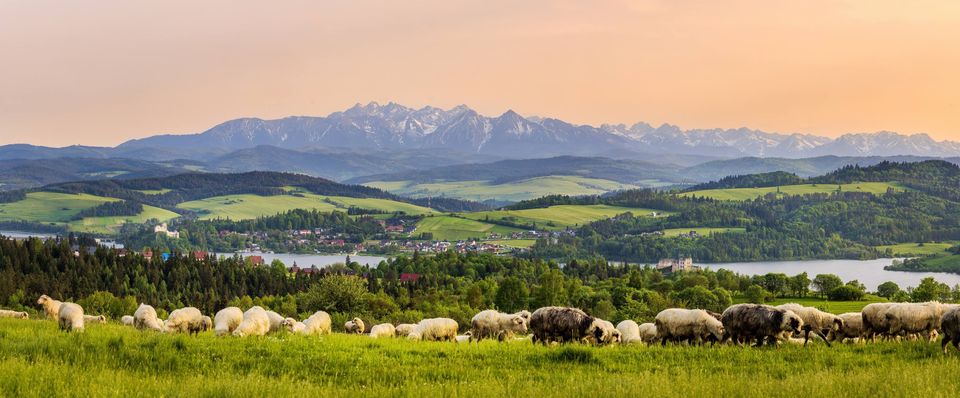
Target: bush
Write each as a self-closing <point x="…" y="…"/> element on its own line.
<point x="845" y="293"/>
<point x="757" y="294"/>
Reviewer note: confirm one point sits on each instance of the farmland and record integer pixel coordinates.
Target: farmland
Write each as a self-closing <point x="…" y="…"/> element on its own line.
<point x="60" y="209"/>
<point x="557" y="217"/>
<point x="512" y="191"/>
<point x="456" y="228"/>
<point x="802" y="189"/>
<point x="112" y="360"/>
<point x="248" y="206"/>
<point x="918" y="249"/>
<point x="700" y="231"/>
<point x="107" y="225"/>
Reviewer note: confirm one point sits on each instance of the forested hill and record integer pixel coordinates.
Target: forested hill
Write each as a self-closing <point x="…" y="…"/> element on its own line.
<point x="167" y="192"/>
<point x="935" y="177"/>
<point x="770" y="179"/>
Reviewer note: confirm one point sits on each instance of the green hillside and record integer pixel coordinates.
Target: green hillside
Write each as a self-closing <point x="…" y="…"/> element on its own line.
<point x="558" y="217"/>
<point x="514" y="191"/>
<point x="249" y="206"/>
<point x="61" y="209"/>
<point x="455" y="228"/>
<point x="108" y="225"/>
<point x="801" y="189"/>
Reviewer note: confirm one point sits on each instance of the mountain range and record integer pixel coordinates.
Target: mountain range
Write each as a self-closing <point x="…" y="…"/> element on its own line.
<point x="391" y="127"/>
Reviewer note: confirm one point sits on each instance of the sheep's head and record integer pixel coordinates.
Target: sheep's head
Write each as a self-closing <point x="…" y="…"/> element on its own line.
<point x="43" y="299"/>
<point x="414" y="335"/>
<point x="519" y="324"/>
<point x="238" y="333"/>
<point x="23" y="315"/>
<point x="102" y="318"/>
<point x="524" y="314"/>
<point x="206" y="323"/>
<point x="837" y="324"/>
<point x="616" y="337"/>
<point x="792" y="322"/>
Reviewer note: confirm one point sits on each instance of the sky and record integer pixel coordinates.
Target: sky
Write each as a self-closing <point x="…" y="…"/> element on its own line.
<point x="103" y="72"/>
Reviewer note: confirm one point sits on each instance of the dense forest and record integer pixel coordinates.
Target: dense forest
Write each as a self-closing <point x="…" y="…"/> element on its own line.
<point x="110" y="209"/>
<point x="770" y="179"/>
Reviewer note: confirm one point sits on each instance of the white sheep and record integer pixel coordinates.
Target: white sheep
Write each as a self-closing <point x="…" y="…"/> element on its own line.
<point x="276" y="321"/>
<point x="255" y="322"/>
<point x="499" y="325"/>
<point x="145" y="317"/>
<point x="404" y="329"/>
<point x="294" y="326"/>
<point x="852" y="327"/>
<point x="465" y="338"/>
<point x="187" y="320"/>
<point x="319" y="323"/>
<point x="435" y="329"/>
<point x="382" y="330"/>
<point x="50" y="306"/>
<point x="94" y="319"/>
<point x="629" y="332"/>
<point x="823" y="324"/>
<point x="354" y="326"/>
<point x="922" y="318"/>
<point x="14" y="314"/>
<point x="602" y="332"/>
<point x="127" y="320"/>
<point x="70" y="317"/>
<point x="227" y="320"/>
<point x="648" y="332"/>
<point x="875" y="321"/>
<point x="694" y="326"/>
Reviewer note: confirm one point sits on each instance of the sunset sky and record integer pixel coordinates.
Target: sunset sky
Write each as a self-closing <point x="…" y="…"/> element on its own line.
<point x="102" y="72"/>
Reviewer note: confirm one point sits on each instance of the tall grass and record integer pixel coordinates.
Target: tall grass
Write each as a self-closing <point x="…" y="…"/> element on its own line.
<point x="112" y="360"/>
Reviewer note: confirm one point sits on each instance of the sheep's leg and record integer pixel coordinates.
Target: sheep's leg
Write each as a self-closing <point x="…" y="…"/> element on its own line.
<point x="806" y="337"/>
<point x="824" y="337"/>
<point x="943" y="344"/>
<point x="956" y="343"/>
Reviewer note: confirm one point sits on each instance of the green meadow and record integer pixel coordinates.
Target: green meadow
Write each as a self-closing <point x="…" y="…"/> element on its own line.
<point x="456" y="228"/>
<point x="558" y="217"/>
<point x="802" y="189"/>
<point x="61" y="208"/>
<point x="703" y="231"/>
<point x="918" y="249"/>
<point x="248" y="206"/>
<point x="513" y="191"/>
<point x="117" y="361"/>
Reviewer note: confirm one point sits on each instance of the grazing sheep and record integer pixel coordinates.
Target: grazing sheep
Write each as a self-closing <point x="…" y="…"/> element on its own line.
<point x="14" y="314"/>
<point x="875" y="321"/>
<point x="648" y="332"/>
<point x="319" y="323"/>
<point x="559" y="324"/>
<point x="950" y="326"/>
<point x="145" y="317"/>
<point x="126" y="320"/>
<point x="94" y="319"/>
<point x="404" y="329"/>
<point x="908" y="318"/>
<point x="354" y="326"/>
<point x="602" y="332"/>
<point x="383" y="330"/>
<point x="50" y="306"/>
<point x="823" y="324"/>
<point x="276" y="321"/>
<point x="227" y="320"/>
<point x="70" y="317"/>
<point x="760" y="322"/>
<point x="435" y="329"/>
<point x="493" y="324"/>
<point x="294" y="326"/>
<point x="255" y="322"/>
<point x="852" y="327"/>
<point x="694" y="326"/>
<point x="524" y="314"/>
<point x="187" y="320"/>
<point x="465" y="338"/>
<point x="629" y="332"/>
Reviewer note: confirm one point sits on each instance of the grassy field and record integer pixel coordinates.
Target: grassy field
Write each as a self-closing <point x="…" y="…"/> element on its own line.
<point x="558" y="217"/>
<point x="153" y="191"/>
<point x="109" y="225"/>
<point x="246" y="206"/>
<point x="116" y="361"/>
<point x="513" y="191"/>
<point x="701" y="231"/>
<point x="49" y="207"/>
<point x="917" y="249"/>
<point x="835" y="307"/>
<point x="455" y="228"/>
<point x="751" y="193"/>
<point x="518" y="243"/>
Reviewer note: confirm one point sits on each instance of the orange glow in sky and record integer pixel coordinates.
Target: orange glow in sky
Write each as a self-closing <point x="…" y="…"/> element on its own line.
<point x="102" y="72"/>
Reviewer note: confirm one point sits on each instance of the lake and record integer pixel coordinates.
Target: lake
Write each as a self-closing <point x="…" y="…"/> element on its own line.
<point x="25" y="235"/>
<point x="309" y="260"/>
<point x="869" y="272"/>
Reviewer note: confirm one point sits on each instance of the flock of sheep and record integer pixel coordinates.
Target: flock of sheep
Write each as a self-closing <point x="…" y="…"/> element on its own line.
<point x="738" y="324"/>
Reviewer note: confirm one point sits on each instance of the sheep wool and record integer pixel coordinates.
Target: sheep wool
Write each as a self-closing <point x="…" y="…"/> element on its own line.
<point x="382" y="330"/>
<point x="71" y="317"/>
<point x="404" y="329"/>
<point x="694" y="326"/>
<point x="50" y="306"/>
<point x="14" y="314"/>
<point x="435" y="329"/>
<point x="94" y="319"/>
<point x="186" y="320"/>
<point x="760" y="322"/>
<point x="494" y="324"/>
<point x="126" y="320"/>
<point x="276" y="321"/>
<point x="852" y="327"/>
<point x="629" y="332"/>
<point x="255" y="322"/>
<point x="950" y="326"/>
<point x="145" y="317"/>
<point x="559" y="324"/>
<point x="354" y="326"/>
<point x="319" y="323"/>
<point x="226" y="320"/>
<point x="648" y="332"/>
<point x="822" y="324"/>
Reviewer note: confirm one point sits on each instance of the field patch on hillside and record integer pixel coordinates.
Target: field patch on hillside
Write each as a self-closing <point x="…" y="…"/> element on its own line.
<point x="514" y="191"/>
<point x="248" y="206"/>
<point x="559" y="217"/>
<point x="918" y="249"/>
<point x="49" y="207"/>
<point x="109" y="225"/>
<point x="702" y="231"/>
<point x="875" y="188"/>
<point x="456" y="228"/>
